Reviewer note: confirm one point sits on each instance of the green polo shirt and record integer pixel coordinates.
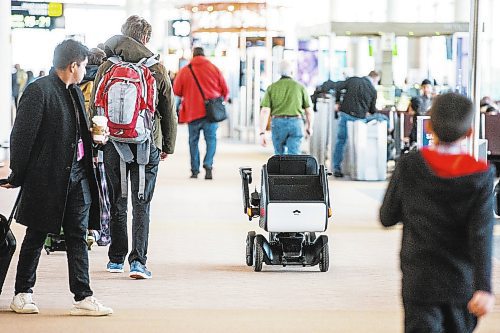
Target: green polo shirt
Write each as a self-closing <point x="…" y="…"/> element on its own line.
<point x="286" y="97"/>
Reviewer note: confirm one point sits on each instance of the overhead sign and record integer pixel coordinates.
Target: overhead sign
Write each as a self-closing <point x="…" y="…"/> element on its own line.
<point x="39" y="15"/>
<point x="180" y="28"/>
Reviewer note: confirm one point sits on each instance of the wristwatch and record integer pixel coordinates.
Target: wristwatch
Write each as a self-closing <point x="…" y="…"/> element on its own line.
<point x="262" y="133"/>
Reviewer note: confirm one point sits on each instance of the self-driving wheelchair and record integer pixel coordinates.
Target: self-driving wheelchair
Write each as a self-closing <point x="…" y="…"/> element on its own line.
<point x="292" y="206"/>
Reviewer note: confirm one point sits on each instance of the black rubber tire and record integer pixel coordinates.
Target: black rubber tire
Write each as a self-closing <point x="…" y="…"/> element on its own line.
<point x="324" y="259"/>
<point x="258" y="254"/>
<point x="249" y="248"/>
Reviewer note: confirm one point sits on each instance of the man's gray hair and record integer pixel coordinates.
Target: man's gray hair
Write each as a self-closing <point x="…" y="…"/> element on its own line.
<point x="286" y="68"/>
<point x="137" y="28"/>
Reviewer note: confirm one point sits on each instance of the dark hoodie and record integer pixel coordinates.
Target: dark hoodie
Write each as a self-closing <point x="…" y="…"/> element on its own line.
<point x="132" y="51"/>
<point x="447" y="217"/>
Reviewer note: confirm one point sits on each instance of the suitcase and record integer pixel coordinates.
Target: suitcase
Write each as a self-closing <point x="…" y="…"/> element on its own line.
<point x="7" y="242"/>
<point x="366" y="155"/>
<point x="321" y="140"/>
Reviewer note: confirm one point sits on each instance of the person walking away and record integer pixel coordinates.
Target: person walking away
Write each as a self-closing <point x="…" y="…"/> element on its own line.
<point x="51" y="152"/>
<point x="358" y="104"/>
<point x="192" y="109"/>
<point x="21" y="78"/>
<point x="443" y="198"/>
<point x="286" y="101"/>
<point x="415" y="109"/>
<point x="29" y="77"/>
<point x="426" y="90"/>
<point x="139" y="160"/>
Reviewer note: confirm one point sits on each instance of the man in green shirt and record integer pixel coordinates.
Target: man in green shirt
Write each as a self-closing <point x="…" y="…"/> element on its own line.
<point x="286" y="101"/>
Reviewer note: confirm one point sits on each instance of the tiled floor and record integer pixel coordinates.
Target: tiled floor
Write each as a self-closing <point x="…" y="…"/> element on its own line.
<point x="200" y="281"/>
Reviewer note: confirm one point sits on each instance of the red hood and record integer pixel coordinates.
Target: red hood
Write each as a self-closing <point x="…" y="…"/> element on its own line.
<point x="452" y="165"/>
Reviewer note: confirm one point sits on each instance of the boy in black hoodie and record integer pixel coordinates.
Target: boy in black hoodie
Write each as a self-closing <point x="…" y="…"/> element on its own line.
<point x="443" y="198"/>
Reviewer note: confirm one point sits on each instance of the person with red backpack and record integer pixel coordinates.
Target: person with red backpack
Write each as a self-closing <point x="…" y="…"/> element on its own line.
<point x="196" y="82"/>
<point x="133" y="91"/>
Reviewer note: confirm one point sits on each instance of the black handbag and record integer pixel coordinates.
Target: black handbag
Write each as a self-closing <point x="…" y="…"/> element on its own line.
<point x="214" y="107"/>
<point x="7" y="242"/>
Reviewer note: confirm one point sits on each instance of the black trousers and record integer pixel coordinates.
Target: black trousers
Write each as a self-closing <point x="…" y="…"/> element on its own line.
<point x="119" y="206"/>
<point x="75" y="223"/>
<point x="438" y="318"/>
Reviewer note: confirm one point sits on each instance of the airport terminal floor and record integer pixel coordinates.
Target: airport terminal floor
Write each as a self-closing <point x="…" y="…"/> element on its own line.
<point x="200" y="280"/>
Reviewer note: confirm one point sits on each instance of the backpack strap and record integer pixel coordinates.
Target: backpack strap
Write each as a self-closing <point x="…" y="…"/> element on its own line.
<point x="123" y="178"/>
<point x="115" y="59"/>
<point x="142" y="181"/>
<point x="197" y="82"/>
<point x="148" y="62"/>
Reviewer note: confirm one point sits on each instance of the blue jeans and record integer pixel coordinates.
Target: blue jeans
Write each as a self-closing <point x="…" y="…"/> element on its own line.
<point x="140" y="207"/>
<point x="338" y="154"/>
<point x="210" y="133"/>
<point x="75" y="224"/>
<point x="287" y="134"/>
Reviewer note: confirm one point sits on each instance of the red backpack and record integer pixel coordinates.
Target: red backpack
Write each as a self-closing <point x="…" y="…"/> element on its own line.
<point x="126" y="95"/>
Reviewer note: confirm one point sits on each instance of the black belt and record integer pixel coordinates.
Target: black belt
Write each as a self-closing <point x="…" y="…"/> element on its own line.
<point x="286" y="116"/>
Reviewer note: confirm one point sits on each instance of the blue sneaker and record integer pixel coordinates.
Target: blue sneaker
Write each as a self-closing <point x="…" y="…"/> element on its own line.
<point x="114" y="267"/>
<point x="139" y="271"/>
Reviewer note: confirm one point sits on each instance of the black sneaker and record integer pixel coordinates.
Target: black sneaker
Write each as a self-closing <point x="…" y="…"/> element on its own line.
<point x="208" y="173"/>
<point x="194" y="175"/>
<point x="338" y="174"/>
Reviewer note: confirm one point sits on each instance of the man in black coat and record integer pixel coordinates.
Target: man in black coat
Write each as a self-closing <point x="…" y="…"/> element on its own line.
<point x="51" y="159"/>
<point x="358" y="104"/>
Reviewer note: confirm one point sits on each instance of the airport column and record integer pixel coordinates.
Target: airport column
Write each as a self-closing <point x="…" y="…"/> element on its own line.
<point x="158" y="24"/>
<point x="334" y="10"/>
<point x="135" y="7"/>
<point x="475" y="71"/>
<point x="462" y="10"/>
<point x="5" y="72"/>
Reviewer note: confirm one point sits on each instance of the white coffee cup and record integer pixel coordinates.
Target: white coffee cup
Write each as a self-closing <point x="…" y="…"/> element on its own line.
<point x="99" y="128"/>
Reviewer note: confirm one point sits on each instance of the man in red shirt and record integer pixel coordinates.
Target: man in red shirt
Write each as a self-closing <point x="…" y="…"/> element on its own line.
<point x="192" y="110"/>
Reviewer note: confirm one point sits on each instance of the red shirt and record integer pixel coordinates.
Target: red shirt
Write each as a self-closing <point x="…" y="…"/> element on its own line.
<point x="212" y="83"/>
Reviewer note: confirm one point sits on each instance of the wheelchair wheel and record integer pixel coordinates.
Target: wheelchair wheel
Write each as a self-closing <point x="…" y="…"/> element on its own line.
<point x="324" y="259"/>
<point x="249" y="248"/>
<point x="258" y="254"/>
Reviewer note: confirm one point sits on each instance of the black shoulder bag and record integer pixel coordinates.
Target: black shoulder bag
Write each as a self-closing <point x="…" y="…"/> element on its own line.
<point x="214" y="107"/>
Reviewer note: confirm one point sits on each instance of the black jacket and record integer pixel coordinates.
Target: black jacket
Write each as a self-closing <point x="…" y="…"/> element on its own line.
<point x="360" y="96"/>
<point x="446" y="251"/>
<point x="43" y="144"/>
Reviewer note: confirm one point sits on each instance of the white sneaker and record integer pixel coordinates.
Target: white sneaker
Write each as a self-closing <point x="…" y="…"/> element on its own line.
<point x="90" y="307"/>
<point x="23" y="303"/>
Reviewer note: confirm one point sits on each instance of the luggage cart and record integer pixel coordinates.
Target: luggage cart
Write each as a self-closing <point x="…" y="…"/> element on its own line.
<point x="292" y="206"/>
